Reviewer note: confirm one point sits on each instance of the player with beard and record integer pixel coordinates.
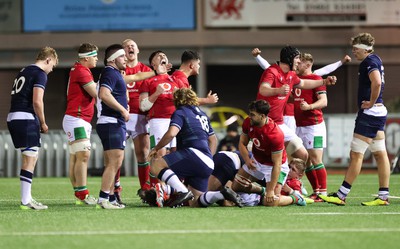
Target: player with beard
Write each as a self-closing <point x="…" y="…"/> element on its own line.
<point x="111" y="123"/>
<point x="268" y="160"/>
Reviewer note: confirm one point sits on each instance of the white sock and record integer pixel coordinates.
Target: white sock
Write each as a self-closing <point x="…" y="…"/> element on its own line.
<point x="26" y="195"/>
<point x="26" y="186"/>
<point x="343" y="192"/>
<point x="211" y="197"/>
<point x="171" y="179"/>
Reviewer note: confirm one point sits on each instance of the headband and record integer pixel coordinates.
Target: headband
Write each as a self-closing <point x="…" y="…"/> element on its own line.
<point x="117" y="53"/>
<point x="363" y="46"/>
<point x="88" y="54"/>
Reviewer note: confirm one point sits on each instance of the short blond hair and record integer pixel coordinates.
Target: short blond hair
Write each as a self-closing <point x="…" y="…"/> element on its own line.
<point x="185" y="96"/>
<point x="45" y="53"/>
<point x="126" y="41"/>
<point x="299" y="164"/>
<point x="307" y="57"/>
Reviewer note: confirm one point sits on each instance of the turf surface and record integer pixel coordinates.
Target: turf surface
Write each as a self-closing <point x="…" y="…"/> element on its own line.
<point x="319" y="225"/>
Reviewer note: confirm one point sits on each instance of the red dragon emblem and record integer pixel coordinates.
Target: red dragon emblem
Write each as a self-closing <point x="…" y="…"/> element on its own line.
<point x="227" y="8"/>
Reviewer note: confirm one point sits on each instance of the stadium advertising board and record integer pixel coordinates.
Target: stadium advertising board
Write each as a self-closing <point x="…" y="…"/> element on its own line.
<point x="269" y="13"/>
<point x="108" y="15"/>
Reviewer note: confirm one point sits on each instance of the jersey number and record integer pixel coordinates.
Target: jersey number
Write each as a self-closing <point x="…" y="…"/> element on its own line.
<point x="18" y="84"/>
<point x="204" y="122"/>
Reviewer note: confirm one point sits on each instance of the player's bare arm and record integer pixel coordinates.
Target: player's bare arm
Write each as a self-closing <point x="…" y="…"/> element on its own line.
<point x="311" y="84"/>
<point x="212" y="143"/>
<point x="321" y="103"/>
<point x="267" y="91"/>
<point x="376" y="82"/>
<point x="90" y="88"/>
<point x="243" y="142"/>
<point x="106" y="96"/>
<point x="38" y="106"/>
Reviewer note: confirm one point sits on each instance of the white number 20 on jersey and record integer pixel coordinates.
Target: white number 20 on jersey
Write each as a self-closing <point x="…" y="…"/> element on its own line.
<point x="18" y="84"/>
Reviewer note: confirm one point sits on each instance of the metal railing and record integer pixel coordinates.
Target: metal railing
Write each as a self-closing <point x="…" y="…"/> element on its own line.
<point x="54" y="156"/>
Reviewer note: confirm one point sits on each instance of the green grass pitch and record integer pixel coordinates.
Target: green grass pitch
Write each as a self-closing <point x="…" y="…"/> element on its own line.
<point x="319" y="225"/>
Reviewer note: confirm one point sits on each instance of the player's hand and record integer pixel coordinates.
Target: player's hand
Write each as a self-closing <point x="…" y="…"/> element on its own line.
<point x="304" y="106"/>
<point x="125" y="115"/>
<point x="256" y="52"/>
<point x="284" y="90"/>
<point x="160" y="89"/>
<point x="152" y="154"/>
<point x="270" y="196"/>
<point x="168" y="66"/>
<point x="251" y="164"/>
<point x="163" y="68"/>
<point x="212" y="98"/>
<point x="366" y="104"/>
<point x="44" y="128"/>
<point x="330" y="80"/>
<point x="346" y="59"/>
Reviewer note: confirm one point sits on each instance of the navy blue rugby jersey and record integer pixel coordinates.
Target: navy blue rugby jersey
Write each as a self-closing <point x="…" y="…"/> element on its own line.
<point x="112" y="79"/>
<point x="195" y="128"/>
<point x="22" y="90"/>
<point x="370" y="63"/>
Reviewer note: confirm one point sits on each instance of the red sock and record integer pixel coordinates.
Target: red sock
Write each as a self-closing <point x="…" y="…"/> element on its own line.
<point x="117" y="177"/>
<point x="81" y="194"/>
<point x="312" y="178"/>
<point x="321" y="176"/>
<point x="153" y="180"/>
<point x="144" y="175"/>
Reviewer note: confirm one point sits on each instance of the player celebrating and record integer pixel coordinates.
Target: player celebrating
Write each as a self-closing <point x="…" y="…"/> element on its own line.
<point x="275" y="86"/>
<point x="268" y="160"/>
<point x="137" y="126"/>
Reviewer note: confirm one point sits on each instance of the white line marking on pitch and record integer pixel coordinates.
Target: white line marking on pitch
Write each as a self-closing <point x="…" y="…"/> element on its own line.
<point x="225" y="231"/>
<point x="340" y="213"/>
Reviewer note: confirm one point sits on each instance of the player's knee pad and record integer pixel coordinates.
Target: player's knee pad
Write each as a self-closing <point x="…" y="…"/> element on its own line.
<point x="30" y="151"/>
<point x="243" y="181"/>
<point x="83" y="145"/>
<point x="377" y="145"/>
<point x="358" y="145"/>
<point x="293" y="145"/>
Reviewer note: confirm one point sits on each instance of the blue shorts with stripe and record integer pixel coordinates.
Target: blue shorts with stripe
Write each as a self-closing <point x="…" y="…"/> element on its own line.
<point x="368" y="126"/>
<point x="186" y="164"/>
<point x="224" y="168"/>
<point x="24" y="132"/>
<point x="112" y="135"/>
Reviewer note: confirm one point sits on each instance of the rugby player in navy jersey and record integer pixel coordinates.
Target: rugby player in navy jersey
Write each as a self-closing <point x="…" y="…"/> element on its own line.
<point x="26" y="119"/>
<point x="370" y="122"/>
<point x="111" y="123"/>
<point x="193" y="159"/>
